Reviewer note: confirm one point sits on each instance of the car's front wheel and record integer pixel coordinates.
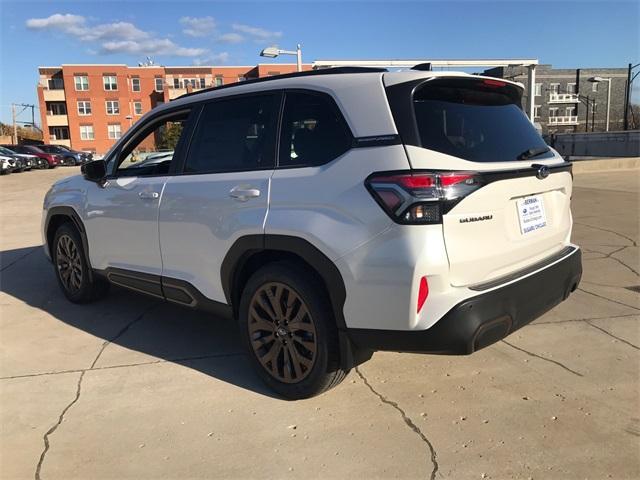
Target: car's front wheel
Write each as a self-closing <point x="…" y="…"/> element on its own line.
<point x="288" y="327"/>
<point x="72" y="267"/>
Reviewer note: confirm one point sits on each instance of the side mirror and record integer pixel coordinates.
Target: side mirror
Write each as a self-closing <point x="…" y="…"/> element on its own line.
<point x="94" y="171"/>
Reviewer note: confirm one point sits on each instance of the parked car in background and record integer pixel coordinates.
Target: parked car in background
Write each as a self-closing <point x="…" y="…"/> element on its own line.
<point x="31" y="161"/>
<point x="69" y="157"/>
<point x="53" y="160"/>
<point x="5" y="165"/>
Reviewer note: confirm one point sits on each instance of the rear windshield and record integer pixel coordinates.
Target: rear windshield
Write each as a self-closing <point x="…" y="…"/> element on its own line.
<point x="477" y="120"/>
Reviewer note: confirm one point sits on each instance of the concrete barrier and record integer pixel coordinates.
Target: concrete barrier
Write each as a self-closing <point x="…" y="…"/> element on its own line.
<point x="604" y="164"/>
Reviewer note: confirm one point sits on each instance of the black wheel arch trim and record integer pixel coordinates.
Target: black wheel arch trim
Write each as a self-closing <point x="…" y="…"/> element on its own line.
<point x="71" y="214"/>
<point x="247" y="246"/>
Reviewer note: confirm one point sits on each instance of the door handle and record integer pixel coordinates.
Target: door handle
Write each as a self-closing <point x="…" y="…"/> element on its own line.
<point x="244" y="193"/>
<point x="148" y="195"/>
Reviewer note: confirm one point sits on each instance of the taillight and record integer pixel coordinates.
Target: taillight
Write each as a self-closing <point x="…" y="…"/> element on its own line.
<point x="421" y="197"/>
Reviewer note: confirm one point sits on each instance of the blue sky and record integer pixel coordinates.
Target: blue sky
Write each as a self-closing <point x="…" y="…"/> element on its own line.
<point x="566" y="34"/>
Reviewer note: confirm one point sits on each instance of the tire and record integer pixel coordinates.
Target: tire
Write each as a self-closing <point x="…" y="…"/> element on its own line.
<point x="69" y="161"/>
<point x="297" y="371"/>
<point x="68" y="255"/>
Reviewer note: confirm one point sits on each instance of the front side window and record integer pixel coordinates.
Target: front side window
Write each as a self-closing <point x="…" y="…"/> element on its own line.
<point x="476" y="120"/>
<point x="84" y="107"/>
<point x="135" y="84"/>
<point x="113" y="131"/>
<point x="235" y="135"/>
<point x="137" y="108"/>
<point x="151" y="151"/>
<point x="110" y="82"/>
<point x="313" y="131"/>
<point x="86" y="132"/>
<point x="81" y="82"/>
<point x="113" y="107"/>
<point x="159" y="84"/>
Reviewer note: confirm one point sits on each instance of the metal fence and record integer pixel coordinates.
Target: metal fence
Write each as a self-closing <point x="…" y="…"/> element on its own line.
<point x="597" y="144"/>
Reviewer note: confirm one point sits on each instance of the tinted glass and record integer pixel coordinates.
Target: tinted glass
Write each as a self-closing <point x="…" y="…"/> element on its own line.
<point x="313" y="131"/>
<point x="236" y="134"/>
<point x="476" y="121"/>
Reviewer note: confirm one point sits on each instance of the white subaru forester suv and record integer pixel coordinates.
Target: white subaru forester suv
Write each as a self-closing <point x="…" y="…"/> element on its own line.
<point x="333" y="213"/>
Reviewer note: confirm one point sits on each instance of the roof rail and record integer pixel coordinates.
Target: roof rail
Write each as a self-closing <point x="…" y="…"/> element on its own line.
<point x="308" y="73"/>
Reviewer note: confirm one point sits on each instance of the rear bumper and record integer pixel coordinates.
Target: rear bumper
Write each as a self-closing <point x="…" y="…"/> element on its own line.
<point x="484" y="319"/>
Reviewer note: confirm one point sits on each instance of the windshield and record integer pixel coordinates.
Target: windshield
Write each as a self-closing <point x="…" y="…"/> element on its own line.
<point x="477" y="120"/>
<point x="6" y="151"/>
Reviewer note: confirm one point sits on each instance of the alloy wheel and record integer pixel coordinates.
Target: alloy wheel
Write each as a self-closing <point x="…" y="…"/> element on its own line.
<point x="69" y="263"/>
<point x="282" y="332"/>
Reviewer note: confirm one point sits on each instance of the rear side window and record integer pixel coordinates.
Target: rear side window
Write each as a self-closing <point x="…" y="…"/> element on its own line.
<point x="313" y="131"/>
<point x="477" y="120"/>
<point x="234" y="135"/>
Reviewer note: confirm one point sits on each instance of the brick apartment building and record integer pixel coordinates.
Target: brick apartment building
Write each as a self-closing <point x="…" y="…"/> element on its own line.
<point x="88" y="107"/>
<point x="562" y="96"/>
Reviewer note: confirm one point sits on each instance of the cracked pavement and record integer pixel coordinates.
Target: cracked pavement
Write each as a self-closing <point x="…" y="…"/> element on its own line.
<point x="129" y="387"/>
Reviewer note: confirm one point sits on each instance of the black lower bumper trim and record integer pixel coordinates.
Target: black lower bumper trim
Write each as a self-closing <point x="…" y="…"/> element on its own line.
<point x="484" y="319"/>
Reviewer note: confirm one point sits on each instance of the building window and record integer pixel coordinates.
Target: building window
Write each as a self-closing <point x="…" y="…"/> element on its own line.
<point x="137" y="108"/>
<point x="56" y="109"/>
<point x="536" y="111"/>
<point x="219" y="82"/>
<point x="570" y="111"/>
<point x="113" y="131"/>
<point x="553" y="112"/>
<point x="55" y="84"/>
<point x="81" y="82"/>
<point x="135" y="84"/>
<point x="59" y="133"/>
<point x="538" y="89"/>
<point x="110" y="82"/>
<point x="571" y="88"/>
<point x="595" y="107"/>
<point x="113" y="107"/>
<point x="241" y="78"/>
<point x="202" y="84"/>
<point x="594" y="87"/>
<point x="84" y="107"/>
<point x="86" y="132"/>
<point x="159" y="85"/>
<point x="554" y="88"/>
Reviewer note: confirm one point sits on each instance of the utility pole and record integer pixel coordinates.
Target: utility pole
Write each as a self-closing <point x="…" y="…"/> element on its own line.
<point x="14" y="116"/>
<point x="15" y="125"/>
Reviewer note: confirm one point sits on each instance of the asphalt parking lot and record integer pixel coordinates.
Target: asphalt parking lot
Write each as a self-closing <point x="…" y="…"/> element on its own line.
<point x="133" y="388"/>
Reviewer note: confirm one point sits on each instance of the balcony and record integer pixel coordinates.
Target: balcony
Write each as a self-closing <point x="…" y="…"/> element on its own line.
<point x="56" y="95"/>
<point x="563" y="98"/>
<point x="57" y="120"/>
<point x="63" y="142"/>
<point x="565" y="120"/>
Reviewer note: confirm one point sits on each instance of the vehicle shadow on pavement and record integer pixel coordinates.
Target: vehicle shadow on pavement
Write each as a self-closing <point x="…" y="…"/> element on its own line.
<point x="150" y="329"/>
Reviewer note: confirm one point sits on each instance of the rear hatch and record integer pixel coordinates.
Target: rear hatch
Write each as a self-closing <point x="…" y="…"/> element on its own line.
<point x="513" y="210"/>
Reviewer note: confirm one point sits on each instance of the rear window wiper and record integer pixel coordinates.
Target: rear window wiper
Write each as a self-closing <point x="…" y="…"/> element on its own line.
<point x="532" y="152"/>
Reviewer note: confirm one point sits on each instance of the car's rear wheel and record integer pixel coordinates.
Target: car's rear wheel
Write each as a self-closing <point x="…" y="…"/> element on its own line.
<point x="72" y="268"/>
<point x="288" y="328"/>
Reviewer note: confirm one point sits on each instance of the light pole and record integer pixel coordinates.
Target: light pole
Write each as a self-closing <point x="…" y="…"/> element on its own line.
<point x="608" y="80"/>
<point x="273" y="52"/>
